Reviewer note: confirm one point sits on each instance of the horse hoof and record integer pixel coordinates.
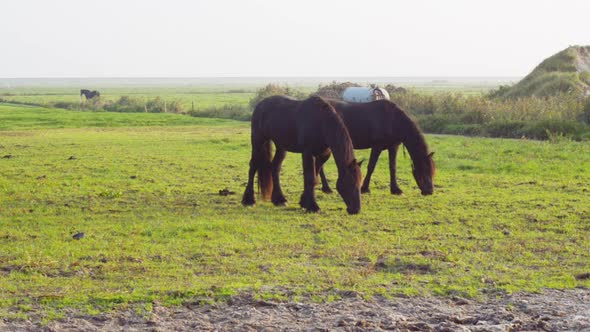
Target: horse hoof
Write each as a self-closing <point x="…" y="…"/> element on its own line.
<point x="326" y="190"/>
<point x="248" y="201"/>
<point x="314" y="209"/>
<point x="278" y="200"/>
<point x="352" y="212"/>
<point x="310" y="207"/>
<point x="397" y="191"/>
<point x="365" y="190"/>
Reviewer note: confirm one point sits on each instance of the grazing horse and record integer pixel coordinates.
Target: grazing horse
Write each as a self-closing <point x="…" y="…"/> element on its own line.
<point x="310" y="127"/>
<point x="381" y="125"/>
<point x="89" y="94"/>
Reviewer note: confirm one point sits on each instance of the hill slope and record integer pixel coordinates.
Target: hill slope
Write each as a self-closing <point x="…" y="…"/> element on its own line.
<point x="565" y="72"/>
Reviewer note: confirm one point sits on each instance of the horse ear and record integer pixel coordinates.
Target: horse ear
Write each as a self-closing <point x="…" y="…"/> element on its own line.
<point x="430" y="155"/>
<point x="354" y="164"/>
<point x="360" y="163"/>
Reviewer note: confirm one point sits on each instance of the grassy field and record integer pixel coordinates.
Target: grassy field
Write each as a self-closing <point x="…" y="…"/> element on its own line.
<point x="188" y="99"/>
<point x="201" y="97"/>
<point x="507" y="215"/>
<point x="23" y="117"/>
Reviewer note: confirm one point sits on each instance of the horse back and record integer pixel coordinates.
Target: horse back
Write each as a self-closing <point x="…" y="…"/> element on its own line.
<point x="369" y="124"/>
<point x="311" y="118"/>
<point x="274" y="118"/>
<point x="293" y="125"/>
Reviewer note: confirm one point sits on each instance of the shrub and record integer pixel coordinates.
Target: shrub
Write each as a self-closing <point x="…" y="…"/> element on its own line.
<point x="126" y="104"/>
<point x="463" y="129"/>
<point x="545" y="129"/>
<point x="391" y="89"/>
<point x="532" y="117"/>
<point x="230" y="111"/>
<point x="159" y="105"/>
<point x="274" y="90"/>
<point x="435" y="123"/>
<point x="585" y="116"/>
<point x="504" y="128"/>
<point x="334" y="90"/>
<point x="65" y="105"/>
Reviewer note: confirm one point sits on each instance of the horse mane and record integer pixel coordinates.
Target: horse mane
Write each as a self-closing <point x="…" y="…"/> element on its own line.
<point x="335" y="132"/>
<point x="411" y="135"/>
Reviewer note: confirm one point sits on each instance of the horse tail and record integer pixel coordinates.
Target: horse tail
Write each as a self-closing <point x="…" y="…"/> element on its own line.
<point x="261" y="155"/>
<point x="264" y="170"/>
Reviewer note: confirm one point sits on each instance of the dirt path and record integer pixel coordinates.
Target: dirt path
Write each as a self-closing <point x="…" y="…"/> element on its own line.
<point x="552" y="311"/>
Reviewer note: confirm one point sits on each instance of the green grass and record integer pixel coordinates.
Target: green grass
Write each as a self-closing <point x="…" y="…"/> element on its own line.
<point x="22" y="117"/>
<point x="201" y="100"/>
<point x="507" y="215"/>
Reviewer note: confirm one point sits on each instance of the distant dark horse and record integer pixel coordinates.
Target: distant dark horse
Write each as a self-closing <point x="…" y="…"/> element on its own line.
<point x="89" y="94"/>
<point x="381" y="125"/>
<point x="310" y="127"/>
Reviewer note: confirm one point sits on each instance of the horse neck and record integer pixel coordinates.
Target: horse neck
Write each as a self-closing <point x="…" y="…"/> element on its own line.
<point x="338" y="139"/>
<point x="411" y="137"/>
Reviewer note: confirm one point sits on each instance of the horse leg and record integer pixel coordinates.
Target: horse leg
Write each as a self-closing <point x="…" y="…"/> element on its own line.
<point x="325" y="185"/>
<point x="277" y="197"/>
<point x="319" y="167"/>
<point x="248" y="198"/>
<point x="395" y="190"/>
<point x="307" y="200"/>
<point x="375" y="152"/>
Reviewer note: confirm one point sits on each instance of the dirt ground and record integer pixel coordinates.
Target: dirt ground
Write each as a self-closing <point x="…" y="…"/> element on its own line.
<point x="554" y="310"/>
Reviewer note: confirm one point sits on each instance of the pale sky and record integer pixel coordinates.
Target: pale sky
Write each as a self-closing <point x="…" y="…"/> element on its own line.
<point x="266" y="38"/>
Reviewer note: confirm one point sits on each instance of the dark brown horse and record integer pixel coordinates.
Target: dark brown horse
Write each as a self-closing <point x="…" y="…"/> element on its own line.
<point x="381" y="125"/>
<point x="310" y="127"/>
<point x="89" y="94"/>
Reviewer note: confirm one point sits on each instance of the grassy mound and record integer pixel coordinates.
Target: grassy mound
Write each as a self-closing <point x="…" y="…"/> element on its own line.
<point x="565" y="72"/>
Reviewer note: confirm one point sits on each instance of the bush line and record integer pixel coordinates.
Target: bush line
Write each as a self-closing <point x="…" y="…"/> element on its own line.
<point x="564" y="116"/>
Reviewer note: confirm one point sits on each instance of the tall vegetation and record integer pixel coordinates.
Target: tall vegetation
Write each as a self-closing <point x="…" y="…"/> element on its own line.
<point x="334" y="90"/>
<point x="567" y="115"/>
<point x="244" y="112"/>
<point x="155" y="105"/>
<point x="531" y="117"/>
<point x="273" y="90"/>
<point x="562" y="115"/>
<point x="124" y="104"/>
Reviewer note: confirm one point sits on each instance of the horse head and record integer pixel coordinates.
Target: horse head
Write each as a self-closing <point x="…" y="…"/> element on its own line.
<point x="349" y="187"/>
<point x="423" y="170"/>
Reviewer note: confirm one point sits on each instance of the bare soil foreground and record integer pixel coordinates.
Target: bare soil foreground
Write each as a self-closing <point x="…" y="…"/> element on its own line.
<point x="554" y="310"/>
